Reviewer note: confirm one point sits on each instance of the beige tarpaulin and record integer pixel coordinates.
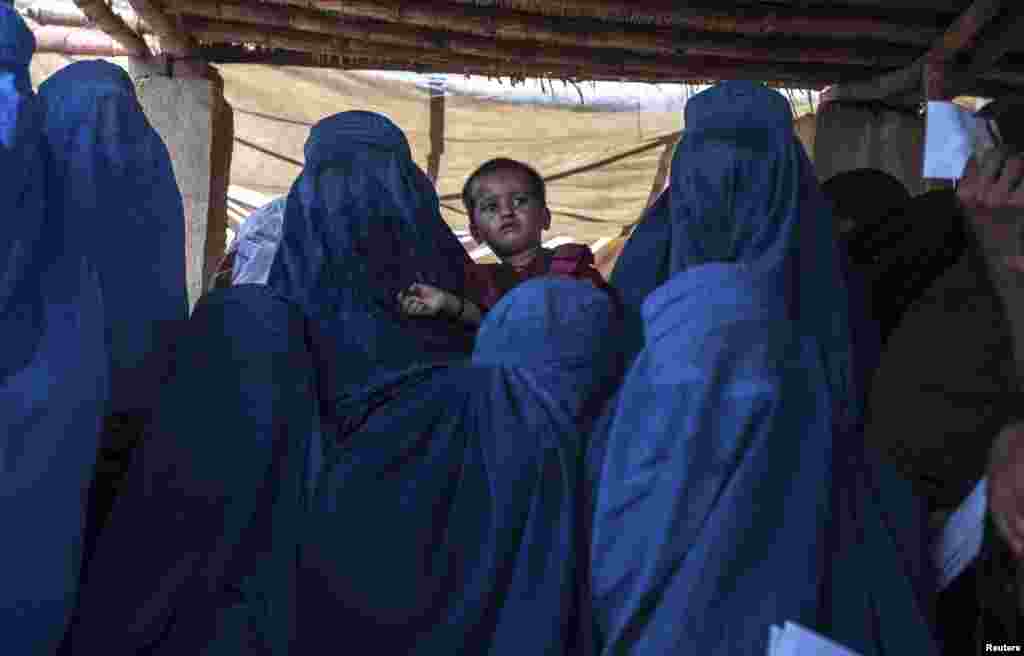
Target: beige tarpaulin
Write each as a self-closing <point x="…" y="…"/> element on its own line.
<point x="602" y="163"/>
<point x="275" y="107"/>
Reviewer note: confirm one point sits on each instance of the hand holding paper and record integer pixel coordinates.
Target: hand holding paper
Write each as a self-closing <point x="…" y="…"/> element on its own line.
<point x="1006" y="487"/>
<point x="952" y="135"/>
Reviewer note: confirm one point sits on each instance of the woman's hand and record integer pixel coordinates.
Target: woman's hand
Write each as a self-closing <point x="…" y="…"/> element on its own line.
<point x="992" y="195"/>
<point x="1006" y="486"/>
<point x="421" y="300"/>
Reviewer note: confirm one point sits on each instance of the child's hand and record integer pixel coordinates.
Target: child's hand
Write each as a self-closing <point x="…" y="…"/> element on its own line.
<point x="421" y="300"/>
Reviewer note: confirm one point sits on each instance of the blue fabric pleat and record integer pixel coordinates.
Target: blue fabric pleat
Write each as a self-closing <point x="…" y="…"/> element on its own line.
<point x="445" y="521"/>
<point x="730" y="490"/>
<point x="53" y="374"/>
<point x="112" y="182"/>
<point x="198" y="556"/>
<point x="363" y="222"/>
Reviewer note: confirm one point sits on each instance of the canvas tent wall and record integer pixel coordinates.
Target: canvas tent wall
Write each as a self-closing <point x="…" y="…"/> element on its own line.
<point x="601" y="156"/>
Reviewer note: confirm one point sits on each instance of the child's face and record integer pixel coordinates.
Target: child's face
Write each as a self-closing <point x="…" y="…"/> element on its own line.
<point x="507" y="215"/>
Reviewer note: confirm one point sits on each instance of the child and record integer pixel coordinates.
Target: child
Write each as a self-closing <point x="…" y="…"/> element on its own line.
<point x="507" y="208"/>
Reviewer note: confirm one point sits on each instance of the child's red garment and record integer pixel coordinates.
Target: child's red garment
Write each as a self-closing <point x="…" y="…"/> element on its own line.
<point x="487" y="283"/>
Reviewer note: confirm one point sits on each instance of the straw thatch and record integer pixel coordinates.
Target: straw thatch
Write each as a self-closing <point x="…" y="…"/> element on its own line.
<point x="973" y="45"/>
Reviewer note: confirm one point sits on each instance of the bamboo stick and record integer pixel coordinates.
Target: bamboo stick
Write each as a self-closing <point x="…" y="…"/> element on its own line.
<point x="78" y="41"/>
<point x="673" y="11"/>
<point x="621" y="39"/>
<point x="628" y="67"/>
<point x="51" y="13"/>
<point x="316" y="22"/>
<point x="462" y="65"/>
<point x="117" y="27"/>
<point x="850" y="24"/>
<point x="172" y="39"/>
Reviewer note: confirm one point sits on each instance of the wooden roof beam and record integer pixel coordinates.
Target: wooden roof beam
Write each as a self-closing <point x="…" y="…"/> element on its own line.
<point x="220" y="54"/>
<point x="455" y="66"/>
<point x="667" y="7"/>
<point x="749" y="21"/>
<point x="173" y="40"/>
<point x="100" y="14"/>
<point x="623" y="42"/>
<point x="941" y="79"/>
<point x="931" y="75"/>
<point x="77" y="41"/>
<point x="59" y="12"/>
<point x="994" y="46"/>
<point x="705" y="68"/>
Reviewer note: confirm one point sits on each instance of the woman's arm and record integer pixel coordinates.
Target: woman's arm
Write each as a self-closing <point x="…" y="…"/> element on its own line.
<point x="462" y="310"/>
<point x="421" y="300"/>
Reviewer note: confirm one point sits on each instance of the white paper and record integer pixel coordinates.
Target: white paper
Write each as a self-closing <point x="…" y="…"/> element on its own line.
<point x="256" y="244"/>
<point x="952" y="135"/>
<point x="796" y="640"/>
<point x="962" y="535"/>
<point x="774" y="633"/>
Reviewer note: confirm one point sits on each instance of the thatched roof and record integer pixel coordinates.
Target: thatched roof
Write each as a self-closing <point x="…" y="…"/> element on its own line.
<point x="805" y="43"/>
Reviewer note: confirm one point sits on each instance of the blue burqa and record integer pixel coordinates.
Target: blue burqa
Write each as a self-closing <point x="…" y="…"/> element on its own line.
<point x="440" y="519"/>
<point x="53" y="374"/>
<point x="362" y="223"/>
<point x="731" y="490"/>
<point x="112" y="182"/>
<point x="223" y="464"/>
<point x="444" y="517"/>
<point x="443" y="493"/>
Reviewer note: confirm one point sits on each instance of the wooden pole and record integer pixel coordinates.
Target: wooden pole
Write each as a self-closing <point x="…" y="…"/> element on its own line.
<point x="850" y="24"/>
<point x="221" y="54"/>
<point x="466" y="38"/>
<point x="932" y="76"/>
<point x="437" y="116"/>
<point x="77" y="41"/>
<point x="172" y="39"/>
<point x="661" y="174"/>
<point x="626" y="67"/>
<point x="104" y="18"/>
<point x="460" y="65"/>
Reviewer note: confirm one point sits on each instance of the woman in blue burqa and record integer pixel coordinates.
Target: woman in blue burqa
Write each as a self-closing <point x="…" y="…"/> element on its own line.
<point x="325" y="469"/>
<point x="730" y="490"/>
<point x="443" y="510"/>
<point x="53" y="373"/>
<point x="112" y="184"/>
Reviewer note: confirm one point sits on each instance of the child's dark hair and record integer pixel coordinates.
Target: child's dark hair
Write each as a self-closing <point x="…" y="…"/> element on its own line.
<point x="502" y="164"/>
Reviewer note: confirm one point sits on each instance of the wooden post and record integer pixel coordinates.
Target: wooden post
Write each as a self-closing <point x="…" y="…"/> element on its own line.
<point x="661" y="174"/>
<point x="532" y="31"/>
<point x="851" y="24"/>
<point x="172" y="40"/>
<point x="437" y="94"/>
<point x="76" y="41"/>
<point x="124" y="32"/>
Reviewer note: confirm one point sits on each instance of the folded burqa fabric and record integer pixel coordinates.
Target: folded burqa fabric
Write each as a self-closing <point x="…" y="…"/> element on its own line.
<point x="441" y="520"/>
<point x="363" y="222"/>
<point x="732" y="491"/>
<point x="444" y="517"/>
<point x="53" y="374"/>
<point x="641" y="268"/>
<point x="224" y="461"/>
<point x="112" y="182"/>
<point x="256" y="244"/>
